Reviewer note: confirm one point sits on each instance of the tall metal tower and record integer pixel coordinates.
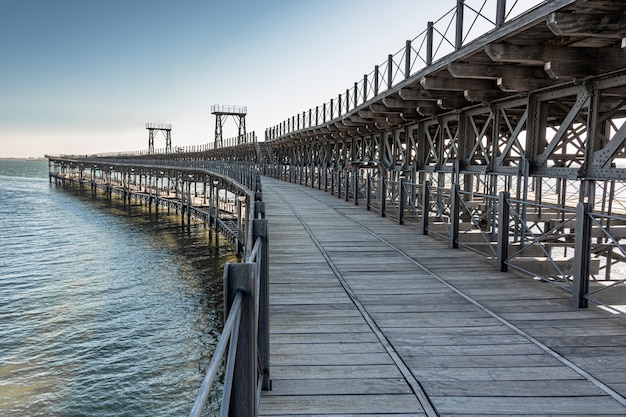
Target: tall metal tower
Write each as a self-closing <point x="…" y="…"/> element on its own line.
<point x="222" y="113"/>
<point x="166" y="129"/>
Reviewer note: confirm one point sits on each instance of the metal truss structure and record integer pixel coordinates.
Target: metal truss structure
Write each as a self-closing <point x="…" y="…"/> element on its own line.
<point x="505" y="136"/>
<point x="511" y="144"/>
<point x="166" y="129"/>
<point x="222" y="113"/>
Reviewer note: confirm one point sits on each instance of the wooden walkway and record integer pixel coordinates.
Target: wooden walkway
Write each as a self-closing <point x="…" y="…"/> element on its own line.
<point x="371" y="318"/>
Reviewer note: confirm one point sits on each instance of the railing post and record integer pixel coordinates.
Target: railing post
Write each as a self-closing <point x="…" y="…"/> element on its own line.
<point x="346" y="186"/>
<point x="429" y="44"/>
<point x="355" y="186"/>
<point x="454" y="216"/>
<point x="407" y="59"/>
<point x="339" y="173"/>
<point x="389" y="71"/>
<point x="582" y="254"/>
<point x="425" y="206"/>
<point x="368" y="191"/>
<point x="402" y="201"/>
<point x="242" y="401"/>
<point x="339" y="107"/>
<point x="364" y="88"/>
<point x="259" y="211"/>
<point x="503" y="231"/>
<point x="500" y="13"/>
<point x="260" y="230"/>
<point x="376" y="73"/>
<point x="383" y="195"/>
<point x="460" y="8"/>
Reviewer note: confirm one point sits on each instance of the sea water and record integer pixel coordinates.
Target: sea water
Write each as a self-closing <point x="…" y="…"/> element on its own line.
<point x="106" y="309"/>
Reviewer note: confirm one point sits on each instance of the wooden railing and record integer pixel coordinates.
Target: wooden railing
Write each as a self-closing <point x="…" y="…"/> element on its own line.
<point x="246" y="333"/>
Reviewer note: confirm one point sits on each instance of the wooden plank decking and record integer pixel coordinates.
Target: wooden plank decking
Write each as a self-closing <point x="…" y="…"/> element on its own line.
<point x="371" y="318"/>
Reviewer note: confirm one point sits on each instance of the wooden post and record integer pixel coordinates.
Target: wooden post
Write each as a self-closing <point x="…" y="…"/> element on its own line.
<point x="188" y="202"/>
<point x="582" y="255"/>
<point x="503" y="231"/>
<point x="260" y="230"/>
<point x="243" y="395"/>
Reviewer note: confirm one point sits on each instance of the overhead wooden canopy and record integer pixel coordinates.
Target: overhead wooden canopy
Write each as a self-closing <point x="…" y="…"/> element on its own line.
<point x="557" y="42"/>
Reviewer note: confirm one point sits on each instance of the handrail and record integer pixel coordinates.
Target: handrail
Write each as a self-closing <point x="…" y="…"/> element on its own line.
<point x="232" y="322"/>
<point x="247" y="362"/>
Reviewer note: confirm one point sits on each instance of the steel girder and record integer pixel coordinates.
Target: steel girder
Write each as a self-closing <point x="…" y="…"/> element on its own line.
<point x="575" y="131"/>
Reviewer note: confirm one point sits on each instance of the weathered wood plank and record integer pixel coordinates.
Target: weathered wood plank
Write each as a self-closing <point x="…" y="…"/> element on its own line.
<point x="570" y="406"/>
<point x="327" y="361"/>
<point x="484" y="361"/>
<point x="333" y="358"/>
<point x="334" y="371"/>
<point x="496" y="374"/>
<point x="326" y="348"/>
<point x="360" y="386"/>
<point x="341" y="404"/>
<point x="531" y="388"/>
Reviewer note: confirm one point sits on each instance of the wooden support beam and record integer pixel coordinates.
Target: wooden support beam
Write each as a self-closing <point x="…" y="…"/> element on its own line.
<point x="370" y="115"/>
<point x="429" y="109"/>
<point x="411" y="115"/>
<point x="541" y="54"/>
<point x="399" y="103"/>
<point x="380" y="108"/>
<point x="452" y="103"/>
<point x="351" y="122"/>
<point x="456" y="84"/>
<point x="559" y="70"/>
<point x="608" y="25"/>
<point x="494" y="72"/>
<point x="518" y="85"/>
<point x="477" y="96"/>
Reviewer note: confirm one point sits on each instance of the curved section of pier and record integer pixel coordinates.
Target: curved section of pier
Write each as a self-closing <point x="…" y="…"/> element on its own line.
<point x="370" y="318"/>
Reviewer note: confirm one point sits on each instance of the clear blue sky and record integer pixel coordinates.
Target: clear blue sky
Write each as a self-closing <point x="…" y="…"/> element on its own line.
<point x="84" y="76"/>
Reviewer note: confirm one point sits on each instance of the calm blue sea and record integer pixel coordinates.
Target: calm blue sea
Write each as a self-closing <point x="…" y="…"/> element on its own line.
<point x="105" y="309"/>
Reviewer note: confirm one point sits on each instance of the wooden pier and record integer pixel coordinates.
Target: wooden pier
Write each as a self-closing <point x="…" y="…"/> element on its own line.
<point x="371" y="318"/>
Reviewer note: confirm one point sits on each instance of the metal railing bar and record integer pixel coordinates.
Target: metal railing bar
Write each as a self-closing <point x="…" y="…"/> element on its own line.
<point x="230" y="360"/>
<point x="218" y="354"/>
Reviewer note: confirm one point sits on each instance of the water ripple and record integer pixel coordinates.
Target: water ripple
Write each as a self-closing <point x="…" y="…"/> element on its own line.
<point x="104" y="311"/>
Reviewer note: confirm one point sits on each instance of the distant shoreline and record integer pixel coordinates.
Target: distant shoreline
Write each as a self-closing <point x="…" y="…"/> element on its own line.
<point x="38" y="159"/>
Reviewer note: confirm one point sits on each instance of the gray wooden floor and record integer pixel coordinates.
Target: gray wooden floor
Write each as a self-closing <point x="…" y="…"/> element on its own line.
<point x="371" y="318"/>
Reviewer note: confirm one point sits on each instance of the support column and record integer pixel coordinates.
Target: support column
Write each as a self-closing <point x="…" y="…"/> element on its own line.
<point x="582" y="256"/>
